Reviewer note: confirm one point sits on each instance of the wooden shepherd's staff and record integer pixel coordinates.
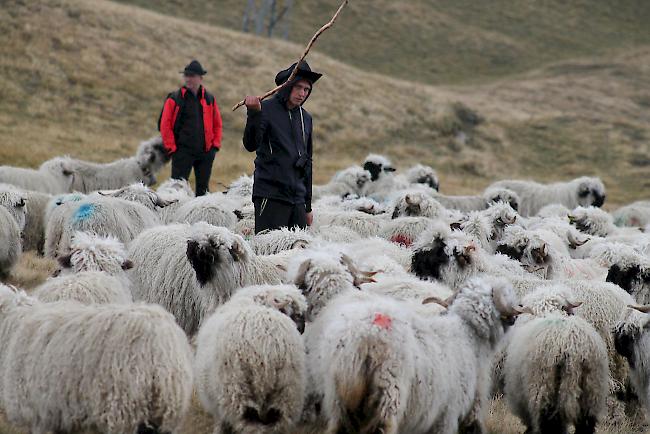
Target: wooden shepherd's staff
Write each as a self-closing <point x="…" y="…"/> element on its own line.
<point x="304" y="54"/>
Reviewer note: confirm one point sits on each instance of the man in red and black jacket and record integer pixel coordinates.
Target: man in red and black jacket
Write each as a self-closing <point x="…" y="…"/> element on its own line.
<point x="191" y="128"/>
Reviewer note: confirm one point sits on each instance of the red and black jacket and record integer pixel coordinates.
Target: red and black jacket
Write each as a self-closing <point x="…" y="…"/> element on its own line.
<point x="212" y="124"/>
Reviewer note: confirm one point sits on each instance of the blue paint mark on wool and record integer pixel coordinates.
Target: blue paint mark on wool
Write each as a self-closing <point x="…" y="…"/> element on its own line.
<point x="84" y="212"/>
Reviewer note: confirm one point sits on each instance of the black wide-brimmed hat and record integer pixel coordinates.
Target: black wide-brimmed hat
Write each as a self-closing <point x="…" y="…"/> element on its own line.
<point x="304" y="72"/>
<point x="194" y="67"/>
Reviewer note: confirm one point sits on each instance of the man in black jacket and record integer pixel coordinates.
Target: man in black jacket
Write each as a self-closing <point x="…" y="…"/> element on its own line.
<point x="280" y="131"/>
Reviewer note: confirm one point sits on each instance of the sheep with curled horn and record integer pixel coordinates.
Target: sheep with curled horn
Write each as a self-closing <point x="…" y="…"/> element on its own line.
<point x="192" y="269"/>
<point x="385" y="365"/>
<point x="555" y="365"/>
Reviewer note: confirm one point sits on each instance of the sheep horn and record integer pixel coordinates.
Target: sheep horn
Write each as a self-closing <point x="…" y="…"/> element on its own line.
<point x="436" y="300"/>
<point x="161" y="203"/>
<point x="523" y="309"/>
<point x="570" y="305"/>
<point x="574" y="242"/>
<point x="21" y="203"/>
<point x="299" y="281"/>
<point x="644" y="309"/>
<point x="572" y="219"/>
<point x="408" y="199"/>
<point x="360" y="277"/>
<point x="502" y="306"/>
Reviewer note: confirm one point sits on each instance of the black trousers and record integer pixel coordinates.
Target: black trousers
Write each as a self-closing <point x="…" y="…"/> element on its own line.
<point x="183" y="161"/>
<point x="274" y="214"/>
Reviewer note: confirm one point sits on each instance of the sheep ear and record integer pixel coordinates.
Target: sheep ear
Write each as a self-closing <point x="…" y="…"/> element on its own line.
<point x="299" y="244"/>
<point x="203" y="259"/>
<point x="65" y="261"/>
<point x="570" y="306"/>
<point x="238" y="250"/>
<point x="299" y="280"/>
<point x="127" y="264"/>
<point x="238" y="213"/>
<point x="161" y="203"/>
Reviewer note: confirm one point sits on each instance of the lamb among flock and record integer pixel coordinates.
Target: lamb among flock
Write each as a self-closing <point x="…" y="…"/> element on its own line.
<point x="400" y="310"/>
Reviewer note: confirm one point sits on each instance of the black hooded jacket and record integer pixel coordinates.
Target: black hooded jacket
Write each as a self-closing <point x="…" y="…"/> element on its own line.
<point x="276" y="134"/>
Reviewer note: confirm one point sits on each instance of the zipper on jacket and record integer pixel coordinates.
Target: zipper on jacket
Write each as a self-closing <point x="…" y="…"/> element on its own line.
<point x="302" y="124"/>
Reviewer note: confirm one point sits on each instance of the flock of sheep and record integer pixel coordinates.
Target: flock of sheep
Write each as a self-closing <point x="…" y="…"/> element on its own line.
<point x="400" y="310"/>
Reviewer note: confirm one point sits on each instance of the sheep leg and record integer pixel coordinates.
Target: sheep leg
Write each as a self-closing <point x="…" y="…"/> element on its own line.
<point x="148" y="428"/>
<point x="552" y="424"/>
<point x="586" y="425"/>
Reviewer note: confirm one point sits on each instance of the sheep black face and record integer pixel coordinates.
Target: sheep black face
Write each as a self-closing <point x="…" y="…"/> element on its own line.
<point x="625" y="278"/>
<point x="262" y="417"/>
<point x="427" y="262"/>
<point x="373" y="168"/>
<point x="590" y="193"/>
<point x="363" y="178"/>
<point x="203" y="257"/>
<point x="430" y="181"/>
<point x="513" y="252"/>
<point x="625" y="337"/>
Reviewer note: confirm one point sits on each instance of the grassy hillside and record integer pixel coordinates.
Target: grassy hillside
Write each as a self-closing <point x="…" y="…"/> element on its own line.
<point x="88" y="79"/>
<point x="447" y="41"/>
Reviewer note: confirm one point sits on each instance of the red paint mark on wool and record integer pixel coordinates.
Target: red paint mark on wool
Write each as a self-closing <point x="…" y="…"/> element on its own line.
<point x="402" y="239"/>
<point x="383" y="321"/>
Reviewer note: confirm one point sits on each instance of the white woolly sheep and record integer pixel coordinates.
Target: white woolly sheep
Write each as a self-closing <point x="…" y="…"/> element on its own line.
<point x="366" y="225"/>
<point x="10" y="243"/>
<point x="345" y="182"/>
<point x="142" y="167"/>
<point x="276" y="241"/>
<point x="477" y="203"/>
<point x="92" y="272"/>
<point x="627" y="268"/>
<point x="54" y="177"/>
<point x="556" y="367"/>
<point x="250" y="361"/>
<point x="119" y="368"/>
<point x="452" y="257"/>
<point x="57" y="213"/>
<point x="191" y="269"/>
<point x="139" y="193"/>
<point x="241" y="188"/>
<point x="214" y="208"/>
<point x="175" y="192"/>
<point x="543" y="257"/>
<point x="385" y="367"/>
<point x="104" y="216"/>
<point x="420" y="174"/>
<point x="632" y="341"/>
<point x="553" y="210"/>
<point x="35" y="209"/>
<point x="417" y="204"/>
<point x="534" y="196"/>
<point x="85" y="287"/>
<point x="636" y="214"/>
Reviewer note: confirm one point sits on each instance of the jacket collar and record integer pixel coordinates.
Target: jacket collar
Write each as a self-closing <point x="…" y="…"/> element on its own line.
<point x="200" y="94"/>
